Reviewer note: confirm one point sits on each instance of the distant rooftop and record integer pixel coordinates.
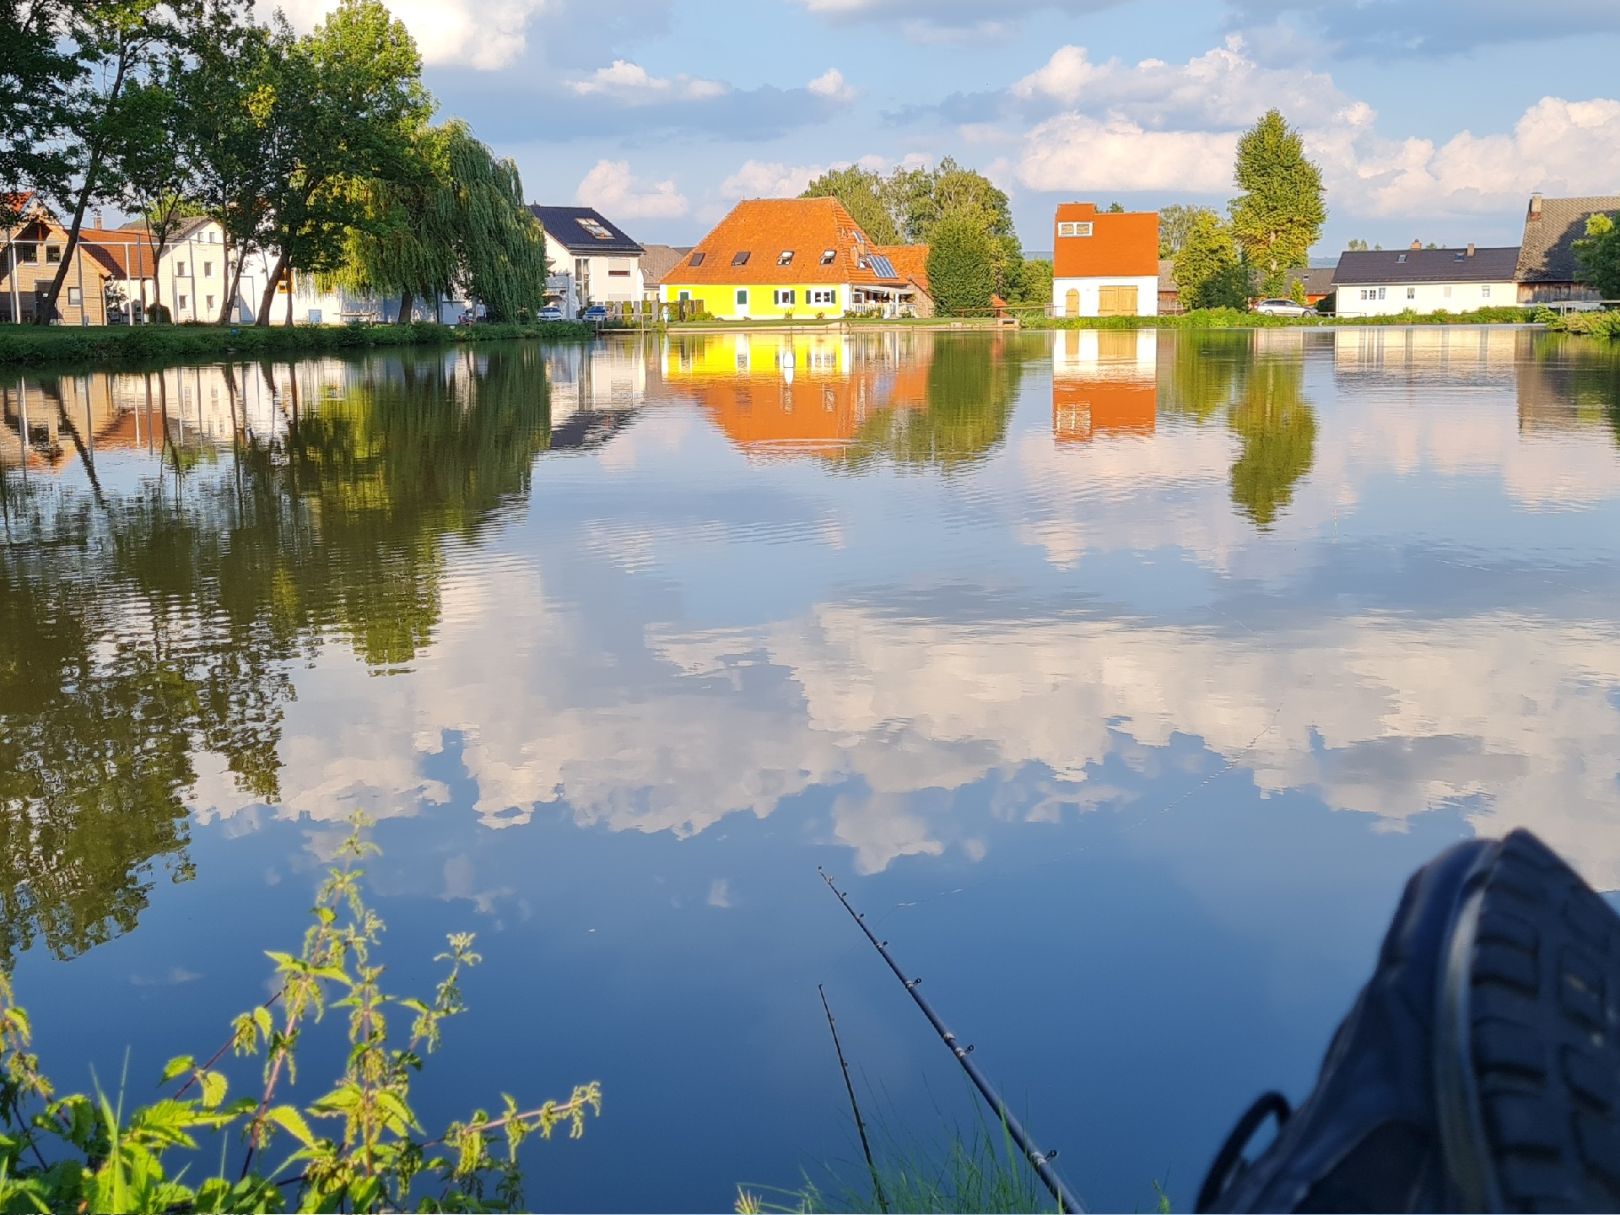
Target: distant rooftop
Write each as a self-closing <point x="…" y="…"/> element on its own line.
<point x="583" y="230"/>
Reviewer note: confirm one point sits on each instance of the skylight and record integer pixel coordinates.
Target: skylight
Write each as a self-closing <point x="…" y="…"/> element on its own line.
<point x="827" y="256"/>
<point x="595" y="228"/>
<point x="740" y="259"/>
<point x="785" y="257"/>
<point x="1401" y="258"/>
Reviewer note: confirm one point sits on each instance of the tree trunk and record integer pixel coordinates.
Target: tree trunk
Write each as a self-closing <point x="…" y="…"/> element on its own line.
<point x="289" y="298"/>
<point x="407" y="301"/>
<point x="269" y="300"/>
<point x="86" y="189"/>
<point x="236" y="281"/>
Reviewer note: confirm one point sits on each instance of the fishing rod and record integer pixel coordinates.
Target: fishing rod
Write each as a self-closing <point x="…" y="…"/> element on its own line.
<point x="1040" y="1161"/>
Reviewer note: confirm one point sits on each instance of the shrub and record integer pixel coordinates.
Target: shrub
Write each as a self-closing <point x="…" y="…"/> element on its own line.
<point x="78" y="1153"/>
<point x="960" y="274"/>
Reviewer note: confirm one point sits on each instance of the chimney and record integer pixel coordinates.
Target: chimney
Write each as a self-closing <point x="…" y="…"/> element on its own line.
<point x="1535" y="207"/>
<point x="1417" y="244"/>
<point x="1470" y="248"/>
<point x="95" y="218"/>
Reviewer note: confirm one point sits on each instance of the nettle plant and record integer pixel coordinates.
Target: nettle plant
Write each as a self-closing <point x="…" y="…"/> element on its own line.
<point x="83" y="1153"/>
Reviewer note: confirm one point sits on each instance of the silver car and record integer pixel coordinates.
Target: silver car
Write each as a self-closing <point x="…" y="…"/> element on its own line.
<point x="1282" y="307"/>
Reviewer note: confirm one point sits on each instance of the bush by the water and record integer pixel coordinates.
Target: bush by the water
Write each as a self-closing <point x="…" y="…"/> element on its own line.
<point x="1237" y="318"/>
<point x="360" y="1147"/>
<point x="1592" y="324"/>
<point x="28" y="345"/>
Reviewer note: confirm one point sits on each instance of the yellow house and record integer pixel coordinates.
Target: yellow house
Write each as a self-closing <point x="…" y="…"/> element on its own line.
<point x="796" y="259"/>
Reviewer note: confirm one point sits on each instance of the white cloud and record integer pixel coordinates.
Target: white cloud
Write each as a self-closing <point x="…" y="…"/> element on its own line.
<point x="720" y="893"/>
<point x="632" y="84"/>
<point x="831" y="84"/>
<point x="1076" y="152"/>
<point x="612" y="189"/>
<point x="769" y="179"/>
<point x="462" y="33"/>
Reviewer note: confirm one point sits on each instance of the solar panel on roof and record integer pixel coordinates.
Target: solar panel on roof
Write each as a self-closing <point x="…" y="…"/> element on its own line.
<point x="882" y="266"/>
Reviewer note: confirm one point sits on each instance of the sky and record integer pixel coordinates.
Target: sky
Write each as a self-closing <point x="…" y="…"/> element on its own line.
<point x="1431" y="119"/>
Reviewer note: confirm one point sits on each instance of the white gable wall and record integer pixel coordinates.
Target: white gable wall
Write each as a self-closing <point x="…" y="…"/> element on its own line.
<point x="1387" y="299"/>
<point x="1089" y="292"/>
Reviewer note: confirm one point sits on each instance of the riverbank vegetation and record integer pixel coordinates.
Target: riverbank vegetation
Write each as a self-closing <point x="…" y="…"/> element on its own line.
<point x="1589" y="324"/>
<point x="1239" y="318"/>
<point x="359" y="1147"/>
<point x="316" y="149"/>
<point x="27" y="346"/>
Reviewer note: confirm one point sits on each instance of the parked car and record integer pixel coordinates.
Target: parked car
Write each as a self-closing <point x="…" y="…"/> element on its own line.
<point x="596" y="313"/>
<point x="551" y="312"/>
<point x="1282" y="307"/>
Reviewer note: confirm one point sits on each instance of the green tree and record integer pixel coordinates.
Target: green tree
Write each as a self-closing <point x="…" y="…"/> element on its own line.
<point x="1276" y="428"/>
<point x="862" y="193"/>
<point x="117" y="44"/>
<point x="348" y="99"/>
<point x="146" y="162"/>
<point x="1597" y="255"/>
<point x="960" y="276"/>
<point x="501" y="250"/>
<point x="921" y="199"/>
<point x="1209" y="273"/>
<point x="1357" y="246"/>
<point x="1279" y="214"/>
<point x="1035" y="283"/>
<point x="36" y="72"/>
<point x="1175" y="224"/>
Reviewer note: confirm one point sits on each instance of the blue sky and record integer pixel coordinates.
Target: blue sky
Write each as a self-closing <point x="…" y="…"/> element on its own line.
<point x="1432" y="120"/>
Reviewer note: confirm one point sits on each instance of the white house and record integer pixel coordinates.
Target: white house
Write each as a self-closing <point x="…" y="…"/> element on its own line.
<point x="1104" y="263"/>
<point x="1383" y="282"/>
<point x="592" y="261"/>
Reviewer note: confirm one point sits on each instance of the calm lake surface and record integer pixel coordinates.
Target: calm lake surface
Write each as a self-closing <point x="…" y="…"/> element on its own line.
<point x="1122" y="676"/>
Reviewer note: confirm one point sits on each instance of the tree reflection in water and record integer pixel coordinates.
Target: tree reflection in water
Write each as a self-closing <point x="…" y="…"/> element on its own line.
<point x="139" y="630"/>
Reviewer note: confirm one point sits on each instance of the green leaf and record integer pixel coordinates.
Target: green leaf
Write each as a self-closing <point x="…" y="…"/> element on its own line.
<point x="177" y="1067"/>
<point x="261" y="1018"/>
<point x="290" y="1120"/>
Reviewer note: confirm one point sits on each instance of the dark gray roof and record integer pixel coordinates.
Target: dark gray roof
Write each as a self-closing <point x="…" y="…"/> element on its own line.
<point x="1318" y="280"/>
<point x="1548" y="252"/>
<point x="563" y="223"/>
<point x="1426" y="266"/>
<point x="659" y="260"/>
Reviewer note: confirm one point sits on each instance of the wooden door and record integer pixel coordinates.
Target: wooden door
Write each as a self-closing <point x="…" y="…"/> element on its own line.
<point x="1071" y="302"/>
<point x="1116" y="301"/>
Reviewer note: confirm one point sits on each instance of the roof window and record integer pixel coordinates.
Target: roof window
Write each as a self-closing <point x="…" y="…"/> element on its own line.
<point x="1401" y="257"/>
<point x="697" y="259"/>
<point x="740" y="259"/>
<point x="785" y="258"/>
<point x="827" y="256"/>
<point x="595" y="228"/>
<point x="1458" y="256"/>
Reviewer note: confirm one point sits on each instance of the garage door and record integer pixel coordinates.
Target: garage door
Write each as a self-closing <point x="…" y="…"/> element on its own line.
<point x="1116" y="301"/>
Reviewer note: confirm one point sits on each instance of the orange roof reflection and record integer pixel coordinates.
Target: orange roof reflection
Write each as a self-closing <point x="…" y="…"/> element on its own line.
<point x="1104" y="382"/>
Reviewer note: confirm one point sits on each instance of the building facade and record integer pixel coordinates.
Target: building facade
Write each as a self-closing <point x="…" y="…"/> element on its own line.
<point x="1385" y="282"/>
<point x="806" y="258"/>
<point x="1104" y="263"/>
<point x="1547" y="266"/>
<point x="591" y="260"/>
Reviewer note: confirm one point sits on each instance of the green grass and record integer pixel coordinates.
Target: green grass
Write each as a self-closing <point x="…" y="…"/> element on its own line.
<point x="29" y="345"/>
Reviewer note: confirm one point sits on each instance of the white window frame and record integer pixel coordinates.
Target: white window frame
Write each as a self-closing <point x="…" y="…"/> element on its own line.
<point x="828" y="256"/>
<point x="75" y="298"/>
<point x="1485" y="291"/>
<point x="826" y="296"/>
<point x="1074" y="227"/>
<point x="785" y="297"/>
<point x="785" y="258"/>
<point x="1411" y="293"/>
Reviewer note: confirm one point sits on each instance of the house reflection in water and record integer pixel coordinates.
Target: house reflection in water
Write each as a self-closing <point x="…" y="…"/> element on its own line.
<point x="1104" y="383"/>
<point x="596" y="391"/>
<point x="800" y="393"/>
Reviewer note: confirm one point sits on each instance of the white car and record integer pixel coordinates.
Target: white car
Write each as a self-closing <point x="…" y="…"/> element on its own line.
<point x="551" y="313"/>
<point x="1282" y="307"/>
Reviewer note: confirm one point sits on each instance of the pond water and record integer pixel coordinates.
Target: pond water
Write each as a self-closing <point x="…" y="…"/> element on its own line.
<point x="1122" y="677"/>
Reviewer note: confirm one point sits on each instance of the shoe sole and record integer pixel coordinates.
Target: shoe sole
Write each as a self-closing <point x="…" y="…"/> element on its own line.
<point x="1527" y="1059"/>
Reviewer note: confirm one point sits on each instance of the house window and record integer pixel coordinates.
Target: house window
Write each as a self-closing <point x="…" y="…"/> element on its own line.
<point x="827" y="256"/>
<point x="684" y="296"/>
<point x="1458" y="256"/>
<point x="74" y="297"/>
<point x="1447" y="291"/>
<point x="1485" y="290"/>
<point x="740" y="259"/>
<point x="786" y="296"/>
<point x="208" y="269"/>
<point x="53" y="254"/>
<point x="210" y="305"/>
<point x="28" y="253"/>
<point x="785" y="258"/>
<point x="595" y="229"/>
<point x="1074" y="228"/>
<point x="180" y="268"/>
<point x="1411" y="293"/>
<point x="742" y="297"/>
<point x="1380" y="293"/>
<point x="181" y="303"/>
<point x="821" y="295"/>
<point x="697" y="259"/>
<point x="618" y="274"/>
<point x="1401" y="257"/>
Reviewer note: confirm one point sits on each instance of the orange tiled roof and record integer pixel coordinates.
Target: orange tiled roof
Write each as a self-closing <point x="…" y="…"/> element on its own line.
<point x="126" y="254"/>
<point x="1121" y="242"/>
<point x="910" y="261"/>
<point x="766" y="228"/>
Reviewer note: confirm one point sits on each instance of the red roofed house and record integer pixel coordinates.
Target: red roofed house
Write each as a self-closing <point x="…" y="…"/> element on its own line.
<point x="804" y="258"/>
<point x="1105" y="263"/>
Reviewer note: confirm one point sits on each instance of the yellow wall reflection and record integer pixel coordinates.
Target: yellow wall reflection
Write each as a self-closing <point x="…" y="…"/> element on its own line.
<point x="1104" y="382"/>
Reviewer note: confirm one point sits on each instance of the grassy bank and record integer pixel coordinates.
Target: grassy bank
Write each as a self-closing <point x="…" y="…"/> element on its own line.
<point x="29" y="346"/>
<point x="1591" y="324"/>
<point x="1232" y="318"/>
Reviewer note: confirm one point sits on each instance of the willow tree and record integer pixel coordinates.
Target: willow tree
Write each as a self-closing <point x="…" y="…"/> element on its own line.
<point x="453" y="216"/>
